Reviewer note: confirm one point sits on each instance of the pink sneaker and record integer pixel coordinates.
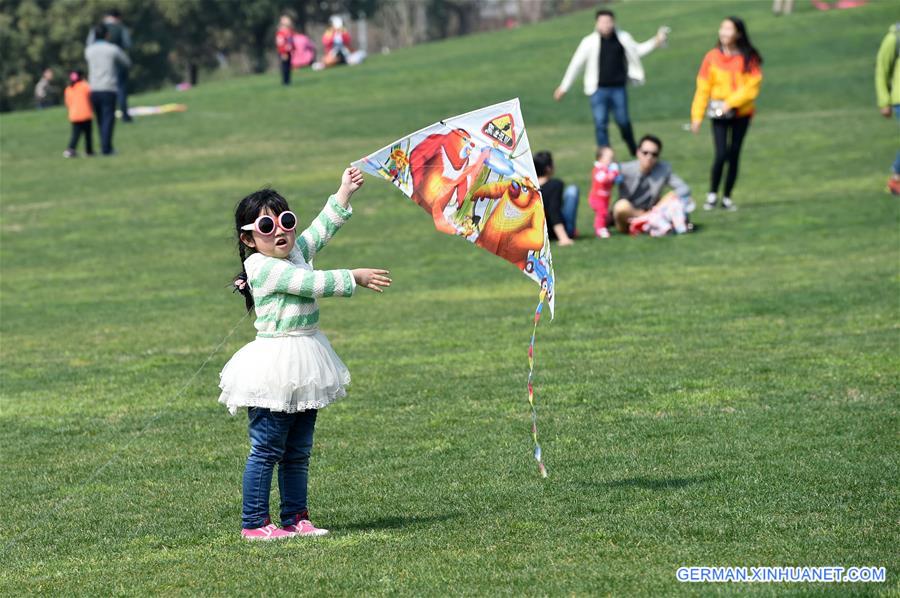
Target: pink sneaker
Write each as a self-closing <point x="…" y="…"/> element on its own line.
<point x="270" y="531"/>
<point x="303" y="527"/>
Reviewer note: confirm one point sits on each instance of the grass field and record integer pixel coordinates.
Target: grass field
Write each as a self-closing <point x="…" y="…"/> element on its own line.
<point x="723" y="398"/>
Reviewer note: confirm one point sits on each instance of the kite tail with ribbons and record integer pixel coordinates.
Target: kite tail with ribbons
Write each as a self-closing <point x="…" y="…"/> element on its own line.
<point x="537" y="447"/>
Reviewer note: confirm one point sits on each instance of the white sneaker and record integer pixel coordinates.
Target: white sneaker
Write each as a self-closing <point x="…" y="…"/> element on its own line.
<point x="303" y="527"/>
<point x="710" y="202"/>
<point x="727" y="204"/>
<point x="603" y="233"/>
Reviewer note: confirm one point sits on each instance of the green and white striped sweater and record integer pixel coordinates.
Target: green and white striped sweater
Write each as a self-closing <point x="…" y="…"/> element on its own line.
<point x="285" y="290"/>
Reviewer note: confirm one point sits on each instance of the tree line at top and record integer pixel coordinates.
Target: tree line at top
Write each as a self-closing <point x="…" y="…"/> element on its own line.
<point x="173" y="40"/>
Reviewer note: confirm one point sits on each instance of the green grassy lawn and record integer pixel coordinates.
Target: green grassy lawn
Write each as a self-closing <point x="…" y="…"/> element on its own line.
<point x="723" y="398"/>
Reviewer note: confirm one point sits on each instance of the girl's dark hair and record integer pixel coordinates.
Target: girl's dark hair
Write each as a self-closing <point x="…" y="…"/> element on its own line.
<point x="751" y="55"/>
<point x="245" y="213"/>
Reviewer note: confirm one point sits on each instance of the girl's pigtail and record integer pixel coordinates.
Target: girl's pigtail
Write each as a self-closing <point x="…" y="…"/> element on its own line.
<point x="240" y="281"/>
<point x="246" y="212"/>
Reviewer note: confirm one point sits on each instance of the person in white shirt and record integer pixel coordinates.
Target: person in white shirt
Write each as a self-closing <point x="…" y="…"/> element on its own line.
<point x="610" y="59"/>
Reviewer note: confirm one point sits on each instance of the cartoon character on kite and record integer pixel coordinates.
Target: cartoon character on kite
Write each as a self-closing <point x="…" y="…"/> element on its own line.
<point x="515" y="225"/>
<point x="396" y="166"/>
<point x="535" y="265"/>
<point x="433" y="189"/>
<point x="475" y="175"/>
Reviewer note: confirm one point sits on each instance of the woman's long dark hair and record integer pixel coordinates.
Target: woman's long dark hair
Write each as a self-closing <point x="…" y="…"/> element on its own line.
<point x="245" y="213"/>
<point x="751" y="55"/>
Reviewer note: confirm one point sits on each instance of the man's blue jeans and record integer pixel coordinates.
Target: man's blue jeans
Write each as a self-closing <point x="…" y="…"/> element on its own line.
<point x="122" y="93"/>
<point x="569" y="209"/>
<point x="615" y="98"/>
<point x="285" y="439"/>
<point x="104" y="105"/>
<point x="897" y="157"/>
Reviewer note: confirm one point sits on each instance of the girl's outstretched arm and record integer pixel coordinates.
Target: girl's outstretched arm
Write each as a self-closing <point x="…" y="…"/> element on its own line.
<point x="269" y="275"/>
<point x="332" y="217"/>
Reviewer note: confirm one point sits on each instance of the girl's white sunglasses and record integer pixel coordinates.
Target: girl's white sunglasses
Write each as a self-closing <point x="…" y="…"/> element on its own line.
<point x="265" y="224"/>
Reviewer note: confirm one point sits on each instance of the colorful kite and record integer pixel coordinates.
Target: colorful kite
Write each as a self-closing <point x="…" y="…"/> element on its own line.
<point x="475" y="176"/>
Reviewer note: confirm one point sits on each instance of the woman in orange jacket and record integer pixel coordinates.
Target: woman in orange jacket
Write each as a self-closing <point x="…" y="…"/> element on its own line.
<point x="727" y="84"/>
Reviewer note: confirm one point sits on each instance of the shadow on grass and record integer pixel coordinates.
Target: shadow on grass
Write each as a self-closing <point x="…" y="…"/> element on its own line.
<point x="399" y="522"/>
<point x="656" y="483"/>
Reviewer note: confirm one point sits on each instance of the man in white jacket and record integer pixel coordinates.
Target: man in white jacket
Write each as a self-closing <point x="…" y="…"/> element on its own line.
<point x="610" y="58"/>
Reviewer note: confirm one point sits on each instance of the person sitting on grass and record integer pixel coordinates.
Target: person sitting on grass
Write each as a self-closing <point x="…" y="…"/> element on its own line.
<point x="643" y="182"/>
<point x="336" y="41"/>
<point x="560" y="201"/>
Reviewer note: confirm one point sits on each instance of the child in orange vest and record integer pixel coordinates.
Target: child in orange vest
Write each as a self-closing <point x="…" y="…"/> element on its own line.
<point x="78" y="101"/>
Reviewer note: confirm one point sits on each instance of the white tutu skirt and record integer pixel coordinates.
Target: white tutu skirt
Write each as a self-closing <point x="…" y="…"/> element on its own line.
<point x="286" y="373"/>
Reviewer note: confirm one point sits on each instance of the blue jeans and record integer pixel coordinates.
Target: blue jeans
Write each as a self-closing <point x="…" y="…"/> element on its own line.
<point x="897" y="157"/>
<point x="285" y="439"/>
<point x="616" y="98"/>
<point x="569" y="209"/>
<point x="122" y="93"/>
<point x="104" y="105"/>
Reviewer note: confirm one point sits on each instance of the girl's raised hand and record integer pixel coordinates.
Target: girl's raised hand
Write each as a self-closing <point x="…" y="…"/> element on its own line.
<point x="351" y="180"/>
<point x="371" y="278"/>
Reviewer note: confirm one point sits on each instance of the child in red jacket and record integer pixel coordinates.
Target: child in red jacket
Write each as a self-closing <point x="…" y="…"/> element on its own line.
<point x="604" y="176"/>
<point x="284" y="44"/>
<point x="78" y="101"/>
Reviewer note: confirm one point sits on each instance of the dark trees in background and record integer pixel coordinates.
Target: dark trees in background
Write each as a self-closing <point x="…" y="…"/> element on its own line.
<point x="175" y="40"/>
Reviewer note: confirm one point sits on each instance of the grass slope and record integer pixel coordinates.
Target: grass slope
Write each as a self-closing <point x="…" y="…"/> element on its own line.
<point x="728" y="397"/>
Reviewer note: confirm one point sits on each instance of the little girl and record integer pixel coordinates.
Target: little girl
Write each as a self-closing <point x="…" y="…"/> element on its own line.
<point x="290" y="370"/>
<point x="78" y="102"/>
<point x="604" y="176"/>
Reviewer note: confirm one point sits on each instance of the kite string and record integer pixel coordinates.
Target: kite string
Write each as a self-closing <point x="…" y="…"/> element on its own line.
<point x="55" y="508"/>
<point x="537" y="447"/>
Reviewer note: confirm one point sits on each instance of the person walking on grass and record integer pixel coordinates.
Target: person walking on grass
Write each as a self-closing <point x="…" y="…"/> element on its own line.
<point x="611" y="58"/>
<point x="104" y="60"/>
<point x="290" y="371"/>
<point x="727" y="85"/>
<point x="78" y="103"/>
<point x="284" y="44"/>
<point x="887" y="90"/>
<point x="121" y="37"/>
<point x="43" y="91"/>
<point x="604" y="175"/>
<point x="782" y="7"/>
